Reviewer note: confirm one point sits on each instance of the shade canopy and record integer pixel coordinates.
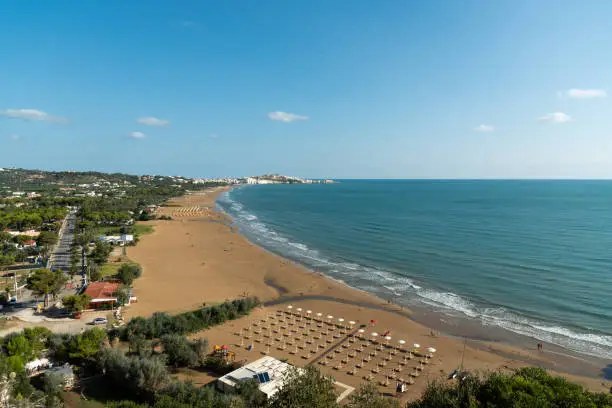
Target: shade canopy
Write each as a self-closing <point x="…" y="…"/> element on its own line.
<point x="416" y="345"/>
<point x="299" y="309"/>
<point x="431" y="350"/>
<point x="319" y="314"/>
<point x="340" y="320"/>
<point x="361" y="330"/>
<point x="330" y="316"/>
<point x="401" y="341"/>
<point x="289" y="307"/>
<point x="374" y="334"/>
<point x="351" y="322"/>
<point x="309" y="311"/>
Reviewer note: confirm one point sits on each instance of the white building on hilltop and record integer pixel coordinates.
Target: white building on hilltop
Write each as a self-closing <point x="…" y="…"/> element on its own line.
<point x="267" y="371"/>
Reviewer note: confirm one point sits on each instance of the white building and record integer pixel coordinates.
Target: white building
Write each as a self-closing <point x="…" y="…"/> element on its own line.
<point x="117" y="239"/>
<point x="267" y="371"/>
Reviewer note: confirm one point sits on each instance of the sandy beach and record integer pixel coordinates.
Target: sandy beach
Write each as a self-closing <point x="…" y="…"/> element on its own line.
<point x="198" y="258"/>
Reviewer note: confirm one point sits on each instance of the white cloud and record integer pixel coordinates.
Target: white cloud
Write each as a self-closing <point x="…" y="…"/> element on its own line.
<point x="137" y="135"/>
<point x="286" y="117"/>
<point x="32" y="114"/>
<point x="15" y="137"/>
<point x="585" y="93"/>
<point x="152" y="121"/>
<point x="555" y="117"/>
<point x="484" y="128"/>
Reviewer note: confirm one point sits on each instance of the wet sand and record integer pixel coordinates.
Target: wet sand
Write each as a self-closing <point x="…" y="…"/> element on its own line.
<point x="198" y="258"/>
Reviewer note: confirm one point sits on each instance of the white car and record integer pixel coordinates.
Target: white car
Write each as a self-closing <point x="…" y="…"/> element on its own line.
<point x="99" y="321"/>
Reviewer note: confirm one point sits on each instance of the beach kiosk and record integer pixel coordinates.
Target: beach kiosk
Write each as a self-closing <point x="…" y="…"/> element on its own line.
<point x="268" y="372"/>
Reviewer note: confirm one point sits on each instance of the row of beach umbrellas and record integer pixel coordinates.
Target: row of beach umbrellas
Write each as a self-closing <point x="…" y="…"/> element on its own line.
<point x="361" y="332"/>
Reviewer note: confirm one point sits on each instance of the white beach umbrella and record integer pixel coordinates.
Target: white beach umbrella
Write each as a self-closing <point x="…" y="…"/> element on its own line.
<point x="330" y="316"/>
<point x="309" y="312"/>
<point x="299" y="309"/>
<point x="374" y="335"/>
<point x="401" y="344"/>
<point x="431" y="349"/>
<point x="360" y="331"/>
<point x="341" y="320"/>
<point x="351" y="323"/>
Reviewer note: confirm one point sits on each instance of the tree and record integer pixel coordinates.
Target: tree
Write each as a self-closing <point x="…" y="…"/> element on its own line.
<point x="368" y="397"/>
<point x="47" y="239"/>
<point x="179" y="350"/>
<point x="87" y="344"/>
<point x="127" y="273"/>
<point x="94" y="271"/>
<point x="44" y="282"/>
<point x="76" y="303"/>
<point x="5" y="236"/>
<point x="123" y="295"/>
<point x="307" y="388"/>
<point x="525" y="388"/>
<point x="100" y="252"/>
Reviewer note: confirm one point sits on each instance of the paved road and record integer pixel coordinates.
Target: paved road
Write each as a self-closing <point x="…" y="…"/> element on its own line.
<point x="60" y="259"/>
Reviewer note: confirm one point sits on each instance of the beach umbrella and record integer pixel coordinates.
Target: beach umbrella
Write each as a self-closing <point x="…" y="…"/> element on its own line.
<point x="351" y="324"/>
<point x="373" y="321"/>
<point x="401" y="343"/>
<point x="430" y="350"/>
<point x="319" y="315"/>
<point x="374" y="335"/>
<point x="416" y="345"/>
<point x="360" y="331"/>
<point x="387" y="338"/>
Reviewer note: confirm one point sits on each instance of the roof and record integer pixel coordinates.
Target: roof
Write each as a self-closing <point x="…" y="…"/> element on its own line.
<point x="100" y="291"/>
<point x="29" y="242"/>
<point x="269" y="371"/>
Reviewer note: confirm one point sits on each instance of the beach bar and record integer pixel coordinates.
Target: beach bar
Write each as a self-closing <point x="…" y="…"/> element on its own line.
<point x="267" y="371"/>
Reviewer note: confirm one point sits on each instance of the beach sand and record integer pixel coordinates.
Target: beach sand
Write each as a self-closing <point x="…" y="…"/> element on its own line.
<point x="199" y="258"/>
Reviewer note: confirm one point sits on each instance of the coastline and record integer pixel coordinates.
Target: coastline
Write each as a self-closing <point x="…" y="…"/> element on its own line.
<point x="203" y="259"/>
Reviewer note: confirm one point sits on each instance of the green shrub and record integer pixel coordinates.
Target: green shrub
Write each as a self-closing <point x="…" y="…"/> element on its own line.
<point x="161" y="324"/>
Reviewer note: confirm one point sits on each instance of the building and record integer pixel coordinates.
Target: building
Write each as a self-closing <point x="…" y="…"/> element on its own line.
<point x="267" y="371"/>
<point x="30" y="243"/>
<point x="102" y="294"/>
<point x="124" y="239"/>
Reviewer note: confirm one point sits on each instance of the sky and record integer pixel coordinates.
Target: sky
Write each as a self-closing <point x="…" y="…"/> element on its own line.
<point x="310" y="88"/>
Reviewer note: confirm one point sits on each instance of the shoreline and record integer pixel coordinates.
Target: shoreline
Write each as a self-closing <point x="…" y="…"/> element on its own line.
<point x="277" y="280"/>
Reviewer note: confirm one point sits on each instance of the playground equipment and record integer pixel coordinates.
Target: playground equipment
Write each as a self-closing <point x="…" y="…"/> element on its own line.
<point x="223" y="352"/>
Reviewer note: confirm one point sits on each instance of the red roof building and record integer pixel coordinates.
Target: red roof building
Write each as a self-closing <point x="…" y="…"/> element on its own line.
<point x="29" y="242"/>
<point x="102" y="294"/>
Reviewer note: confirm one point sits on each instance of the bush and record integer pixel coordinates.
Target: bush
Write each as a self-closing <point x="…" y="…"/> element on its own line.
<point x="127" y="273"/>
<point x="305" y="389"/>
<point x="161" y="324"/>
<point x="179" y="350"/>
<point x="529" y="387"/>
<point x="140" y="376"/>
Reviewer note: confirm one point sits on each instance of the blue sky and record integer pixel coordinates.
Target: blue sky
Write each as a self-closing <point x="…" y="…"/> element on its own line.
<point x="315" y="88"/>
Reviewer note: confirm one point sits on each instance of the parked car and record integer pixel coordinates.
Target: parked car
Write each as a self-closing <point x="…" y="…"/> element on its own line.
<point x="99" y="321"/>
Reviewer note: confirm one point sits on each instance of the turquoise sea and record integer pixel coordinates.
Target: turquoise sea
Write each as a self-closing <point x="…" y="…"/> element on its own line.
<point x="531" y="257"/>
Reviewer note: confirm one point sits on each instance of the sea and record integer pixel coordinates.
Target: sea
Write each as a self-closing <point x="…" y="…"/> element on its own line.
<point x="532" y="258"/>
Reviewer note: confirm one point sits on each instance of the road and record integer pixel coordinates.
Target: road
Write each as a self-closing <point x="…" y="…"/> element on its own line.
<point x="60" y="258"/>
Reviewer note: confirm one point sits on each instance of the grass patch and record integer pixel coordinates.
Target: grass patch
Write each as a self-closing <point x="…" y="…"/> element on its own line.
<point x="140" y="230"/>
<point x="107" y="230"/>
<point x="110" y="269"/>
